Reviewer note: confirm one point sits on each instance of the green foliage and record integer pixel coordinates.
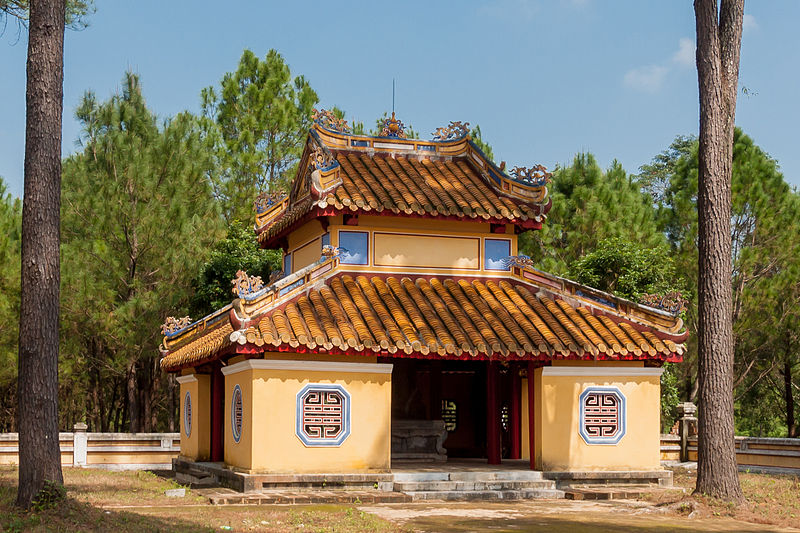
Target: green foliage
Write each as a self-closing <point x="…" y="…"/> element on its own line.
<point x="258" y="119"/>
<point x="477" y="138"/>
<point x="10" y="241"/>
<point x="765" y="232"/>
<point x="670" y="397"/>
<point x="77" y="11"/>
<point x="238" y="251"/>
<point x="590" y="205"/>
<point x="137" y="214"/>
<point x="626" y="269"/>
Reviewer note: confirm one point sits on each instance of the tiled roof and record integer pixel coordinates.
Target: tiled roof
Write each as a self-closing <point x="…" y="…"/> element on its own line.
<point x="457" y="184"/>
<point x="423" y="316"/>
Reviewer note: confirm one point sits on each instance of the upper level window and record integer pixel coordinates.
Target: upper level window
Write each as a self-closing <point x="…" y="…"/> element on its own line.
<point x="326" y="239"/>
<point x="497" y="253"/>
<point x="287" y="264"/>
<point x="355" y="247"/>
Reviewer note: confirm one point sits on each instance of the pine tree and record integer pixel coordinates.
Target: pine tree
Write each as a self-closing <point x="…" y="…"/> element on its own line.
<point x="590" y="205"/>
<point x="138" y="215"/>
<point x="259" y="117"/>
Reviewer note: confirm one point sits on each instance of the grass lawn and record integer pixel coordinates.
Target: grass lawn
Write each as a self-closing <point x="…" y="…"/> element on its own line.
<point x="124" y="502"/>
<point x="771" y="499"/>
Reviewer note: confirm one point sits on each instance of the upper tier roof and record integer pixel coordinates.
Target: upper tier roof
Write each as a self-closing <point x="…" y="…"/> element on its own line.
<point x="448" y="177"/>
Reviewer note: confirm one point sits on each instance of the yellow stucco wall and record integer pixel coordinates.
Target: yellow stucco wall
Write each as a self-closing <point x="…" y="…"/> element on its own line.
<point x="428" y="251"/>
<point x="268" y="442"/>
<point x="448" y="248"/>
<point x="560" y="447"/>
<point x="197" y="445"/>
<point x="307" y="254"/>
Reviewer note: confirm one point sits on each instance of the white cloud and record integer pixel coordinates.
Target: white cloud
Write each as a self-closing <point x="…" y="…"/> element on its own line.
<point x="648" y="79"/>
<point x="749" y="23"/>
<point x="685" y="54"/>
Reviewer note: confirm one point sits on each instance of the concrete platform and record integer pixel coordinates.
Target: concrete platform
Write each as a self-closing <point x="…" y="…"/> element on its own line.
<point x="223" y="496"/>
<point x="659" y="478"/>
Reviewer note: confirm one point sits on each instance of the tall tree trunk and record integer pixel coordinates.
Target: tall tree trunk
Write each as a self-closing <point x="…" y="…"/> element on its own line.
<point x="719" y="37"/>
<point x="37" y="397"/>
<point x="789" y="397"/>
<point x="133" y="398"/>
<point x="171" y="403"/>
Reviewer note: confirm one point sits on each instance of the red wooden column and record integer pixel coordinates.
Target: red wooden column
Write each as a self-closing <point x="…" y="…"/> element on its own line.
<point x="515" y="420"/>
<point x="217" y="410"/>
<point x="493" y="446"/>
<point x="531" y="415"/>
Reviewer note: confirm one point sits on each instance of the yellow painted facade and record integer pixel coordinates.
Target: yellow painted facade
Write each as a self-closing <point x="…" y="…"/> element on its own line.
<point x="558" y="443"/>
<point x="197" y="444"/>
<point x="269" y="443"/>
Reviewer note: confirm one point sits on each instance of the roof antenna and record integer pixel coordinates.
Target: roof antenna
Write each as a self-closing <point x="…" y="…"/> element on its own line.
<point x="392" y="96"/>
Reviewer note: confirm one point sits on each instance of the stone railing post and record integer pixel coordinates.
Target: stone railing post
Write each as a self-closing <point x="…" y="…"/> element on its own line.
<point x="80" y="444"/>
<point x="687" y="427"/>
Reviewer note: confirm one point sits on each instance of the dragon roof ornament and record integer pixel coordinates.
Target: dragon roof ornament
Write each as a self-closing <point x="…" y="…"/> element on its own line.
<point x="392" y="127"/>
<point x="536" y="175"/>
<point x="329" y="121"/>
<point x="265" y="200"/>
<point x="672" y="302"/>
<point x="322" y="159"/>
<point x="173" y="325"/>
<point x="244" y="285"/>
<point x="454" y="130"/>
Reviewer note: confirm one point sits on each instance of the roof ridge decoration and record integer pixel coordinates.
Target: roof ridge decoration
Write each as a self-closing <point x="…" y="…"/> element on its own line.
<point x="672" y="302"/>
<point x="266" y="200"/>
<point x="454" y="130"/>
<point x="173" y="325"/>
<point x="245" y="286"/>
<point x="536" y="176"/>
<point x="393" y="128"/>
<point x="329" y="121"/>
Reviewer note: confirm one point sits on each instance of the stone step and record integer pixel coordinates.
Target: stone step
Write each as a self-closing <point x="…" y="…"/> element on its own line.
<point x="500" y="484"/>
<point x="468" y="495"/>
<point x="505" y="475"/>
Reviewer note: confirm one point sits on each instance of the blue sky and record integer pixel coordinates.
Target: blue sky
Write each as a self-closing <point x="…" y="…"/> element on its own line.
<point x="544" y="79"/>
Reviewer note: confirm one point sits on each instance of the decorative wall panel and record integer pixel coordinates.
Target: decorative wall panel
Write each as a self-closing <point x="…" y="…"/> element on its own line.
<point x="187" y="414"/>
<point x="237" y="413"/>
<point x="322" y="415"/>
<point x="602" y="415"/>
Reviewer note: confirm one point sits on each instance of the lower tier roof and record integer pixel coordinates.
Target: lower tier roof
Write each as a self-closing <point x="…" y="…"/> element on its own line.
<point x="428" y="317"/>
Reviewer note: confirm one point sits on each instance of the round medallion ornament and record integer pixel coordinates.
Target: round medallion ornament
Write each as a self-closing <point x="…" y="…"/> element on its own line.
<point x="237" y="414"/>
<point x="187" y="414"/>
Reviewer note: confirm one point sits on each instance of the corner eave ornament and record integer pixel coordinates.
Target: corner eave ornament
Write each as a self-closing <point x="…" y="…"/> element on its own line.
<point x="394" y="128"/>
<point x="535" y="176"/>
<point x="173" y="325"/>
<point x="244" y="285"/>
<point x="454" y="130"/>
<point x="519" y="261"/>
<point x="265" y="200"/>
<point x="329" y="121"/>
<point x="672" y="302"/>
<point x="322" y="160"/>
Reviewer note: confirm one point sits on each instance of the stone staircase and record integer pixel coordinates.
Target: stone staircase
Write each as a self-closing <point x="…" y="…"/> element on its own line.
<point x="476" y="485"/>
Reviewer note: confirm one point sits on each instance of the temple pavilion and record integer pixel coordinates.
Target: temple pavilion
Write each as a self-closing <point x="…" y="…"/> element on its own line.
<point x="405" y="325"/>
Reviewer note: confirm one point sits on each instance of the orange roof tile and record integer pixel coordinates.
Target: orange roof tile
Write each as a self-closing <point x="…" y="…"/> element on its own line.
<point x="424" y="316"/>
<point x="403" y="178"/>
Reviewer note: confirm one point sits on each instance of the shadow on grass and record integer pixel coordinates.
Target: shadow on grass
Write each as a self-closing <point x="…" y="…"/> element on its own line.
<point x="553" y="524"/>
<point x="72" y="515"/>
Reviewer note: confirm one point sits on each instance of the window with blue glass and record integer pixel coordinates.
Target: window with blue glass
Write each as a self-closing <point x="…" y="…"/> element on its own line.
<point x="496" y="255"/>
<point x="354" y="247"/>
<point x="287" y="264"/>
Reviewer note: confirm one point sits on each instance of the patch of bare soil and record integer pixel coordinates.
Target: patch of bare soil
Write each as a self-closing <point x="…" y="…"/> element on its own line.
<point x="771" y="499"/>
